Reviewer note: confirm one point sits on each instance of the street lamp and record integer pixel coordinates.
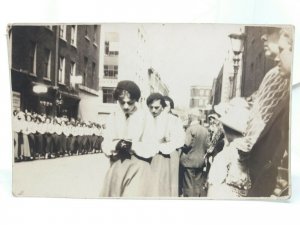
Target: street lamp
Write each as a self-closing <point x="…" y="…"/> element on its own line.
<point x="237" y="44"/>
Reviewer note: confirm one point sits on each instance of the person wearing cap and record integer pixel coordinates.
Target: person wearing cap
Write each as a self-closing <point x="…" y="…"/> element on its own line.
<point x="129" y="173"/>
<point x="165" y="134"/>
<point x="218" y="186"/>
<point x="193" y="155"/>
<point x="266" y="137"/>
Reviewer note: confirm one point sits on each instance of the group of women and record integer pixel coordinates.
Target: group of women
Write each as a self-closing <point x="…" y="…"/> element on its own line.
<point x="38" y="136"/>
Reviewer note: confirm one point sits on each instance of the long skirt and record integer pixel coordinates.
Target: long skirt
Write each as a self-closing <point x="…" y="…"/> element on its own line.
<point x="73" y="144"/>
<point x="68" y="144"/>
<point x="127" y="179"/>
<point x="165" y="173"/>
<point x="16" y="145"/>
<point x="39" y="144"/>
<point x="63" y="144"/>
<point x="48" y="143"/>
<point x="98" y="143"/>
<point x="31" y="140"/>
<point x="25" y="148"/>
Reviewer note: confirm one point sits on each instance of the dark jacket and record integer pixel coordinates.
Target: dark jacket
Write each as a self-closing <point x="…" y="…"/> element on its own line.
<point x="198" y="138"/>
<point x="267" y="152"/>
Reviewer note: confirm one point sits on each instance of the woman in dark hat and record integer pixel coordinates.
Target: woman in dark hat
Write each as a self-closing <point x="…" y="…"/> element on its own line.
<point x="130" y="168"/>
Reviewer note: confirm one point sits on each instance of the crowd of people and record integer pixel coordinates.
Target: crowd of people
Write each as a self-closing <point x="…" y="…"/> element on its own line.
<point x="37" y="136"/>
<point x="237" y="156"/>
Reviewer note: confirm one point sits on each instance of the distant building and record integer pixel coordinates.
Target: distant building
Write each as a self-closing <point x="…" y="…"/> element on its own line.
<point x="48" y="64"/>
<point x="124" y="56"/>
<point x="200" y="97"/>
<point x="156" y="84"/>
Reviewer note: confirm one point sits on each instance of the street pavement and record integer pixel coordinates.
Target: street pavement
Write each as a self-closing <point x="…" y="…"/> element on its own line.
<point x="74" y="176"/>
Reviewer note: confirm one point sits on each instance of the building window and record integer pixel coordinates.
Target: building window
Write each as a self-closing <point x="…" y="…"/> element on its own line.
<point x="95" y="33"/>
<point x="47" y="67"/>
<point x="74" y="35"/>
<point x="195" y="92"/>
<point x="207" y="92"/>
<point x="108" y="95"/>
<point x="113" y="53"/>
<point x="110" y="71"/>
<point x="32" y="58"/>
<point x="107" y="51"/>
<point x="201" y="92"/>
<point x="62" y="31"/>
<point x="201" y="102"/>
<point x="93" y="69"/>
<point x="106" y="47"/>
<point x="85" y="70"/>
<point x="194" y="103"/>
<point x="72" y="72"/>
<point x="61" y="71"/>
<point x="73" y="69"/>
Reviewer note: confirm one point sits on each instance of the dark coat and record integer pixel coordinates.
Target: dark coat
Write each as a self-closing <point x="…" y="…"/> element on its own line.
<point x="268" y="151"/>
<point x="198" y="138"/>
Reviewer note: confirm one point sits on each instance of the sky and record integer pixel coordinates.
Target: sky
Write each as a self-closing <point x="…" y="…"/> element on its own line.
<point x="188" y="54"/>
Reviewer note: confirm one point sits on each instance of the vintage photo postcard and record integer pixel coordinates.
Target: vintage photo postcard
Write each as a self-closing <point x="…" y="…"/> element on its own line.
<point x="157" y="111"/>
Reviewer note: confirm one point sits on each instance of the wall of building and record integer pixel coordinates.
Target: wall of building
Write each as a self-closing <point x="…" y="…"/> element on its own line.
<point x="89" y="47"/>
<point x="217" y="89"/>
<point x="45" y="37"/>
<point x="255" y="64"/>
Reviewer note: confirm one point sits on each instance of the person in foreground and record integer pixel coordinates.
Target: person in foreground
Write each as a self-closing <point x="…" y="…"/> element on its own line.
<point x="129" y="172"/>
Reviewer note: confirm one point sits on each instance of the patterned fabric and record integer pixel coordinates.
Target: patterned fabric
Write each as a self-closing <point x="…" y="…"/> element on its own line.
<point x="268" y="103"/>
<point x="273" y="89"/>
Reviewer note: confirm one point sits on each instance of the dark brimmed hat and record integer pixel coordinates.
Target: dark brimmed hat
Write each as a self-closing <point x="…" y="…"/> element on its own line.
<point x="130" y="87"/>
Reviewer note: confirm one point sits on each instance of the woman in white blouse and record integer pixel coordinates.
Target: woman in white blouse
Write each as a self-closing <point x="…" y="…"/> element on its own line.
<point x="164" y="134"/>
<point x="129" y="173"/>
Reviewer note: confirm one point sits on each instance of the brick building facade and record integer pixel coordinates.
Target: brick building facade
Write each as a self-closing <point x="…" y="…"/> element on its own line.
<point x="52" y="57"/>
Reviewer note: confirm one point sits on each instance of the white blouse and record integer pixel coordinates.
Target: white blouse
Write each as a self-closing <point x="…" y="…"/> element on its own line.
<point x="164" y="132"/>
<point x="118" y="127"/>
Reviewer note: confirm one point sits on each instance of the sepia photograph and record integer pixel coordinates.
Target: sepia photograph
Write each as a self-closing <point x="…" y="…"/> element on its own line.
<point x="151" y="110"/>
